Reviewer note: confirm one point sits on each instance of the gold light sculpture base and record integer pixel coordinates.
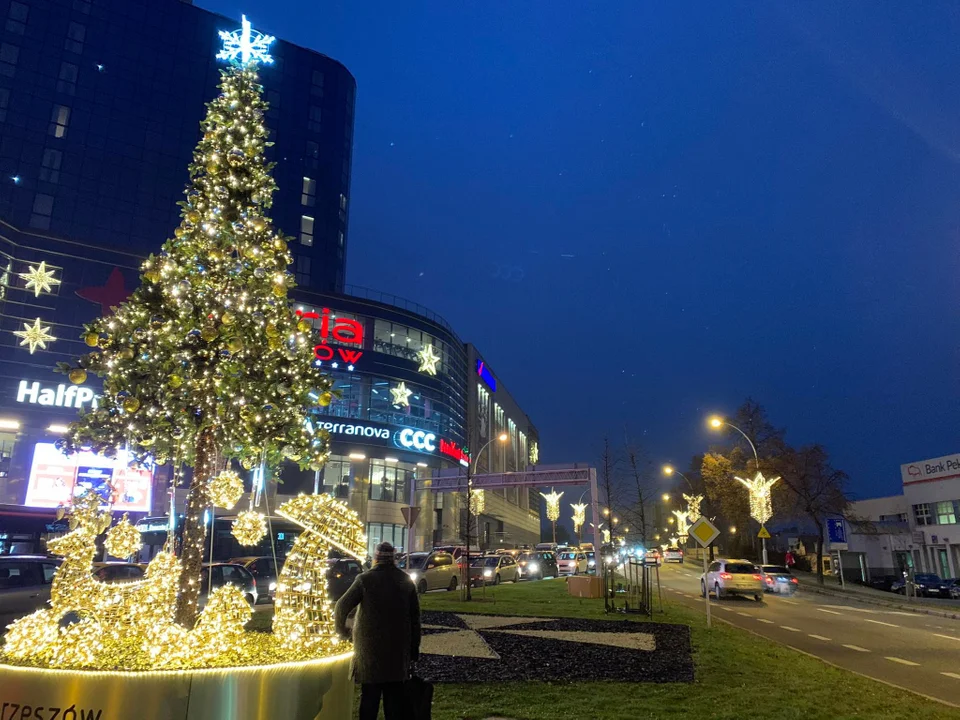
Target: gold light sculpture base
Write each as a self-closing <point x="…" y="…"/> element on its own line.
<point x="309" y="690"/>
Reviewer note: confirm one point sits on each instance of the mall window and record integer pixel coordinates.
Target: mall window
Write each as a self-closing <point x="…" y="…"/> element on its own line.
<point x="403" y="341"/>
<point x="75" y="36"/>
<point x="377" y="533"/>
<point x="351" y="403"/>
<point x="302" y="272"/>
<point x="898" y="517"/>
<point x="50" y="167"/>
<point x="17" y="18"/>
<point x="389" y="481"/>
<point x="343" y="202"/>
<point x="921" y="513"/>
<point x="313" y="124"/>
<point x="58" y="121"/>
<point x="273" y="104"/>
<point x="312" y="156"/>
<point x="424" y="411"/>
<point x="42" y="210"/>
<point x="946" y="513"/>
<point x="4" y="102"/>
<point x="67" y="82"/>
<point x="308" y="194"/>
<point x="340" y="238"/>
<point x="335" y="477"/>
<point x="9" y="54"/>
<point x="306" y="230"/>
<point x="316" y="87"/>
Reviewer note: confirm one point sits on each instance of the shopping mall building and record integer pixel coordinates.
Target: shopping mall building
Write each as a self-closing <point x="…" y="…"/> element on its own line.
<point x="97" y="128"/>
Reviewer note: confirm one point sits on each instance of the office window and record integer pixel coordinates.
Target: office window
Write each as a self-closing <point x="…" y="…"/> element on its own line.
<point x="42" y="210"/>
<point x="385" y="532"/>
<point x="317" y="87"/>
<point x="313" y="125"/>
<point x="341" y="238"/>
<point x="273" y="101"/>
<point x="312" y="157"/>
<point x="9" y="54"/>
<point x="58" y="120"/>
<point x="67" y="83"/>
<point x="82" y="6"/>
<point x="302" y="272"/>
<point x="76" y="33"/>
<point x="308" y="195"/>
<point x="4" y="101"/>
<point x="946" y="513"/>
<point x="921" y="514"/>
<point x="306" y="230"/>
<point x="50" y="167"/>
<point x="343" y="201"/>
<point x="388" y="482"/>
<point x="17" y="18"/>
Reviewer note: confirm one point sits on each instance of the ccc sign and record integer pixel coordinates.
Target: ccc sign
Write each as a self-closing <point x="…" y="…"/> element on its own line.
<point x="417" y="440"/>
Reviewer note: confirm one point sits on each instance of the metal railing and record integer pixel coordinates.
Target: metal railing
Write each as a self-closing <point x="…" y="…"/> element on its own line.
<point x="365" y="293"/>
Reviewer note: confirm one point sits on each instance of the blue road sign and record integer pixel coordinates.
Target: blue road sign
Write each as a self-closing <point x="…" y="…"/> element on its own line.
<point x="836" y="532"/>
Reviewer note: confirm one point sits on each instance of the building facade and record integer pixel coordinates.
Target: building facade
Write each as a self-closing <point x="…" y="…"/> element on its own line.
<point x="100" y="109"/>
<point x="931" y="489"/>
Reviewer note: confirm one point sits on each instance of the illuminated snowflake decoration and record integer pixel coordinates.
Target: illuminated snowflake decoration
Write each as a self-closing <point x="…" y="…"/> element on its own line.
<point x="693" y="505"/>
<point x="36" y="335"/>
<point x="401" y="395"/>
<point x="245" y="45"/>
<point x="39" y="279"/>
<point x="428" y="360"/>
<point x="579" y="515"/>
<point x="761" y="509"/>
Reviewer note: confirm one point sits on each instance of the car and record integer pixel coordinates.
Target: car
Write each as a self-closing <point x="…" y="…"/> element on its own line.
<point x="777" y="579"/>
<point x="111" y="572"/>
<point x="951" y="588"/>
<point x="341" y="572"/>
<point x="24" y="584"/>
<point x="572" y="562"/>
<point x="227" y="574"/>
<point x="432" y="570"/>
<point x="537" y="565"/>
<point x="264" y="571"/>
<point x="732" y="577"/>
<point x="654" y="555"/>
<point x="458" y="552"/>
<point x="926" y="585"/>
<point x="673" y="554"/>
<point x="494" y="569"/>
<point x="591" y="561"/>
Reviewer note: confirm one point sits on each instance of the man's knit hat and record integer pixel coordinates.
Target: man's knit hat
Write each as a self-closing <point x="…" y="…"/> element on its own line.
<point x="384" y="553"/>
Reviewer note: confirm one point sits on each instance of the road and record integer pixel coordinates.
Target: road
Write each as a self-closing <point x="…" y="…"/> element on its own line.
<point x="910" y="650"/>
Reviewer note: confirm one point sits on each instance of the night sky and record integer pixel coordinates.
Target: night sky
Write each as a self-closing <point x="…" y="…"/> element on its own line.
<point x="642" y="213"/>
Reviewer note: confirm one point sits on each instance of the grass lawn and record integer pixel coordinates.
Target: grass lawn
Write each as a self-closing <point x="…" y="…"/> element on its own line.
<point x="739" y="675"/>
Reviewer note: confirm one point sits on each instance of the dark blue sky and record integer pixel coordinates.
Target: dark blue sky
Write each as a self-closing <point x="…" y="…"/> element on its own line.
<point x="644" y="212"/>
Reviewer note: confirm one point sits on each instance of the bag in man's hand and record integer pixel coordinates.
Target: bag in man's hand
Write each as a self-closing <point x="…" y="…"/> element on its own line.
<point x="419" y="698"/>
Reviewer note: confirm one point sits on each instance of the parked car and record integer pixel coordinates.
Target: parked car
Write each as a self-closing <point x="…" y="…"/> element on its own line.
<point x="264" y="571"/>
<point x="732" y="577"/>
<point x="118" y="572"/>
<point x="572" y="562"/>
<point x="591" y="561"/>
<point x="432" y="571"/>
<point x="926" y="584"/>
<point x="537" y="565"/>
<point x="494" y="569"/>
<point x="24" y="584"/>
<point x="458" y="552"/>
<point x="227" y="574"/>
<point x="673" y="554"/>
<point x="777" y="579"/>
<point x="951" y="588"/>
<point x="654" y="555"/>
<point x="341" y="572"/>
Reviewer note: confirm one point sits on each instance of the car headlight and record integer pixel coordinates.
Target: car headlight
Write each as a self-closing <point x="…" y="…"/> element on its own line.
<point x="533" y="567"/>
<point x="273" y="586"/>
<point x="488" y="573"/>
<point x="413" y="576"/>
<point x="591" y="563"/>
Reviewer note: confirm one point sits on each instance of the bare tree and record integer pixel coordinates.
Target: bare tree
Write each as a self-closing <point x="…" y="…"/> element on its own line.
<point x="644" y="494"/>
<point x="608" y="485"/>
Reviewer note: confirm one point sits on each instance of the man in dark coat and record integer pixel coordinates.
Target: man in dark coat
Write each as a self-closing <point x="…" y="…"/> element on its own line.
<point x="386" y="634"/>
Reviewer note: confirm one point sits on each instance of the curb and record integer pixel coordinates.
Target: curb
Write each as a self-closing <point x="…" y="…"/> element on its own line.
<point x="919" y="609"/>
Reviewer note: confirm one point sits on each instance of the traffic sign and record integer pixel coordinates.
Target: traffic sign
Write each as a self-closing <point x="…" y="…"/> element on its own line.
<point x="764" y="533"/>
<point x="410" y="514"/>
<point x="703" y="531"/>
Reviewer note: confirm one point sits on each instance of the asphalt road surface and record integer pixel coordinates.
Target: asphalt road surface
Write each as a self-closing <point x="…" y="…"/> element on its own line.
<point x="910" y="650"/>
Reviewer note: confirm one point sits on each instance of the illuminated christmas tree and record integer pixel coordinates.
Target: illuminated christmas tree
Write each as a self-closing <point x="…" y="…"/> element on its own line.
<point x="206" y="362"/>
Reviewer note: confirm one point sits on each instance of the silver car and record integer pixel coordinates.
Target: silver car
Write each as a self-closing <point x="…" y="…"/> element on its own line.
<point x="24" y="584"/>
<point x="732" y="577"/>
<point x="777" y="579"/>
<point x="431" y="571"/>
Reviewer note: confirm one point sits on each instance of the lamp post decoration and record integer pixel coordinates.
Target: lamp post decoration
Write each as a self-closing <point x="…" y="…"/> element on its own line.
<point x="579" y="517"/>
<point x="682" y="523"/>
<point x="693" y="506"/>
<point x="553" y="509"/>
<point x="761" y="507"/>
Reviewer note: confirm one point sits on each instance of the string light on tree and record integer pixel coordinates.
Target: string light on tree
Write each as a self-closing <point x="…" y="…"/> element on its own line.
<point x="553" y="508"/>
<point x="478" y="502"/>
<point x="428" y="360"/>
<point x="35" y="335"/>
<point x="39" y="279"/>
<point x="761" y="507"/>
<point x="401" y="395"/>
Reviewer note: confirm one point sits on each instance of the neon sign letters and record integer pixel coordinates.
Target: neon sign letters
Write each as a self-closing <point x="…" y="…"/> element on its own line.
<point x="339" y="330"/>
<point x="451" y="449"/>
<point x="484" y="372"/>
<point x="417" y="440"/>
<point x="75" y="396"/>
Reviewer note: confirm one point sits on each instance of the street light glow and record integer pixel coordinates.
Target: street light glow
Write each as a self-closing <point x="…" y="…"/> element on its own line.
<point x="666" y="497"/>
<point x="715" y="422"/>
<point x="733" y="530"/>
<point x="503" y="437"/>
<point x="668" y="470"/>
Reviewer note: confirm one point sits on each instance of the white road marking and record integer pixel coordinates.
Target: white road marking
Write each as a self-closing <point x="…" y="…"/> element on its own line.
<point x="832" y="612"/>
<point x="856" y="647"/>
<point x="948" y="637"/>
<point x="724" y="608"/>
<point x="902" y="661"/>
<point x="744" y="614"/>
<point x="764" y="620"/>
<point x="880" y="622"/>
<point x="791" y="629"/>
<point x="951" y="675"/>
<point x="819" y="637"/>
<point x="789" y="602"/>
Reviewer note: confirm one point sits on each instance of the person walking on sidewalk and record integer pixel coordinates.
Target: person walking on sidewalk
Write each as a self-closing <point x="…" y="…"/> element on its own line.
<point x="386" y="634"/>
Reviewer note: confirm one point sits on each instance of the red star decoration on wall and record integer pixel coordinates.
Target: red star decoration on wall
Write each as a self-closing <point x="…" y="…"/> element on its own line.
<point x="108" y="296"/>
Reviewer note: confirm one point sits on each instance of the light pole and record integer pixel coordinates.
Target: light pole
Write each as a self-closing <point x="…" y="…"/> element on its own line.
<point x="761" y="508"/>
<point x="579" y="517"/>
<point x="553" y="509"/>
<point x="502" y="437"/>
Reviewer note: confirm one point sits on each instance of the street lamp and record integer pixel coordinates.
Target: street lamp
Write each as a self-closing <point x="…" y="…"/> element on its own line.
<point x="733" y="530"/>
<point x="671" y="470"/>
<point x="666" y="497"/>
<point x="474" y="502"/>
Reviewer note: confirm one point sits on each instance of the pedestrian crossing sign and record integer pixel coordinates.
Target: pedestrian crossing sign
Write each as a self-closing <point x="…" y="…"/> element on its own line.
<point x="764" y="533"/>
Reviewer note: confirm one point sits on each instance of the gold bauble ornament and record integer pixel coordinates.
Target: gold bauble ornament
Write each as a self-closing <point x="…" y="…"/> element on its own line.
<point x="77" y="376"/>
<point x="131" y="405"/>
<point x="92" y="339"/>
<point x="179" y="232"/>
<point x="271" y="330"/>
<point x="251" y="252"/>
<point x="273" y="343"/>
<point x="151" y="276"/>
<point x="234" y="344"/>
<point x="258" y="224"/>
<point x="280" y="245"/>
<point x="126" y="353"/>
<point x="209" y="333"/>
<point x="225" y="489"/>
<point x="228" y="318"/>
<point x="249" y="528"/>
<point x="304" y="326"/>
<point x="123" y="539"/>
<point x="174" y="381"/>
<point x="251" y="150"/>
<point x="212" y="168"/>
<point x="193" y="216"/>
<point x="279" y="290"/>
<point x="325" y="399"/>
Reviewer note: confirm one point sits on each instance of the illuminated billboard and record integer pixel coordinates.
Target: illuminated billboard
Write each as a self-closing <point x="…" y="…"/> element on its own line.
<point x="56" y="478"/>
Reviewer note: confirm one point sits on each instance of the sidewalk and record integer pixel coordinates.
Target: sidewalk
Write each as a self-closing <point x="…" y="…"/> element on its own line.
<point x="831" y="586"/>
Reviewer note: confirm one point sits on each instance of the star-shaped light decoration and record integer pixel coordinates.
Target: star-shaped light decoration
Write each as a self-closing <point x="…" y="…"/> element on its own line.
<point x="39" y="279"/>
<point x="428" y="360"/>
<point x="35" y="335"/>
<point x="401" y="396"/>
<point x="245" y="45"/>
<point x="761" y="509"/>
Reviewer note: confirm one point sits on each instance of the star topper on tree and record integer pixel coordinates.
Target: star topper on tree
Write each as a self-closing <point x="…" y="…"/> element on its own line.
<point x="245" y="46"/>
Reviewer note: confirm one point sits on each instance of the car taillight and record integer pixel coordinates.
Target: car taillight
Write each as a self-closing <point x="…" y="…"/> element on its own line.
<point x="794" y="581"/>
<point x="725" y="576"/>
<point x="757" y="577"/>
<point x="769" y="581"/>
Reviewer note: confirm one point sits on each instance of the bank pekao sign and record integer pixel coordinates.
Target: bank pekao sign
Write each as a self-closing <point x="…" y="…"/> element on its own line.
<point x="65" y="396"/>
<point x="939" y="468"/>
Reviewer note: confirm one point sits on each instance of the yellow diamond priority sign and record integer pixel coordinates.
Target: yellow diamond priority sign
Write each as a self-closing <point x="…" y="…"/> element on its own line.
<point x="703" y="531"/>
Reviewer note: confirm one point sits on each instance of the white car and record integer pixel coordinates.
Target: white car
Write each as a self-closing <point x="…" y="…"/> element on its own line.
<point x="732" y="577"/>
<point x="571" y="562"/>
<point x="673" y="554"/>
